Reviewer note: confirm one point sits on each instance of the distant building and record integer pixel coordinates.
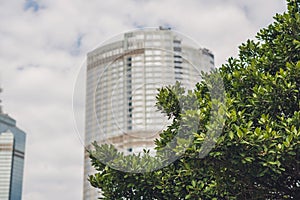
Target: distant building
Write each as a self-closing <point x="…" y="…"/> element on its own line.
<point x="12" y="150"/>
<point x="122" y="81"/>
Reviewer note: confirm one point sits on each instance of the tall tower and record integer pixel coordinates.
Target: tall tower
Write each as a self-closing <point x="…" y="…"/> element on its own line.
<point x="12" y="151"/>
<point x="122" y="81"/>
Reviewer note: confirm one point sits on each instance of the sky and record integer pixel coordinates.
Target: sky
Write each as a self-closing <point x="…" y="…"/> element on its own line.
<point x="43" y="44"/>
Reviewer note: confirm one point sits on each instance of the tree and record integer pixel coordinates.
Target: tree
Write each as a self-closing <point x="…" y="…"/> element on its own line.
<point x="257" y="155"/>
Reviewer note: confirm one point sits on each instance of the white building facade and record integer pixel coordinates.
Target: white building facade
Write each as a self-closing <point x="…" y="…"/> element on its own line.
<point x="122" y="81"/>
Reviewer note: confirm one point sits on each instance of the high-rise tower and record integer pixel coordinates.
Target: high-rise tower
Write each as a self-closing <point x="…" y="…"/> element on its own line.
<point x="122" y="81"/>
<point x="12" y="151"/>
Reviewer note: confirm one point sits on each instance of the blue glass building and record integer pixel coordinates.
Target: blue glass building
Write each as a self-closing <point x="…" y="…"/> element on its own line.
<point x="12" y="151"/>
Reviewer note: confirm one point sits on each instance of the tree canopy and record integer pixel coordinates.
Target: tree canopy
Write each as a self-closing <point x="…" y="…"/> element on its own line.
<point x="257" y="153"/>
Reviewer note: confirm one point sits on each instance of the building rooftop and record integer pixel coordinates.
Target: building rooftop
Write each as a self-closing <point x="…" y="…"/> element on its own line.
<point x="5" y="119"/>
<point x="0" y="102"/>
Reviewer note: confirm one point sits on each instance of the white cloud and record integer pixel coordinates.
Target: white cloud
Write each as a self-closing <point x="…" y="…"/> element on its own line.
<point x="40" y="57"/>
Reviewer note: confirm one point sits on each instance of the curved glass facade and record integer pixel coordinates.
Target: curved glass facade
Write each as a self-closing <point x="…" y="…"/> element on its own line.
<point x="12" y="150"/>
<point x="122" y="81"/>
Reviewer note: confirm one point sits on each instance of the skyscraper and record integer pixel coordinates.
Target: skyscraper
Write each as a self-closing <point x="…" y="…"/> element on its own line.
<point x="12" y="150"/>
<point x="122" y="81"/>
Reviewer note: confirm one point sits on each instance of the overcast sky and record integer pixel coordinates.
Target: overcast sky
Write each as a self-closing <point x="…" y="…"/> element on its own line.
<point x="44" y="42"/>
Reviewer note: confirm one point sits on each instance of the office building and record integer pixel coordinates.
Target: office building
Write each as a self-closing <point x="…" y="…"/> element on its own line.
<point x="12" y="150"/>
<point x="122" y="81"/>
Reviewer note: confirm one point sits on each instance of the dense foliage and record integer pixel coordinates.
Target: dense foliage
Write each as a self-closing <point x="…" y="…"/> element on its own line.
<point x="256" y="156"/>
